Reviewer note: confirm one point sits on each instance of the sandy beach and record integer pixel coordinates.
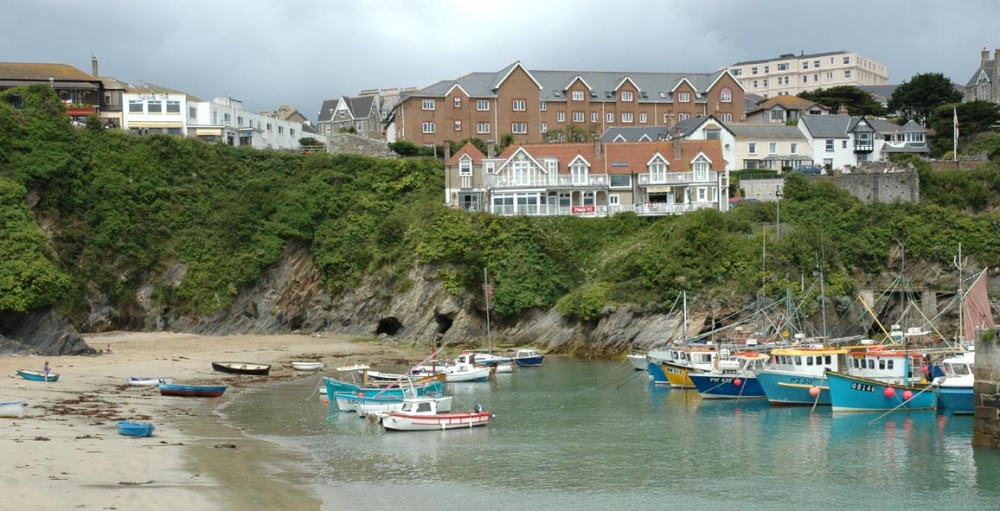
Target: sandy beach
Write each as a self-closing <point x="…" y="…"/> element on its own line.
<point x="65" y="453"/>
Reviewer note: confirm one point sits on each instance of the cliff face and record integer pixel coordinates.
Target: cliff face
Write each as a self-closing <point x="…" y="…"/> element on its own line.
<point x="290" y="297"/>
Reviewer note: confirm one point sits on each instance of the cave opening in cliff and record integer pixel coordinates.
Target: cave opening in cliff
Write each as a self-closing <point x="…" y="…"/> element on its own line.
<point x="389" y="326"/>
<point x="444" y="323"/>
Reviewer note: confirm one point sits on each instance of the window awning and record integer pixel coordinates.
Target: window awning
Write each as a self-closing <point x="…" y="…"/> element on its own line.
<point x="788" y="157"/>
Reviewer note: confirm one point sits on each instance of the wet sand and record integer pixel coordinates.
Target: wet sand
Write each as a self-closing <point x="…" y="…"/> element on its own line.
<point x="66" y="453"/>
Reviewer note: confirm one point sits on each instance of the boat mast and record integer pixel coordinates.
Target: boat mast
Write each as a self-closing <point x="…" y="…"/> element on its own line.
<point x="685" y="317"/>
<point x="958" y="262"/>
<point x="822" y="297"/>
<point x="486" y="294"/>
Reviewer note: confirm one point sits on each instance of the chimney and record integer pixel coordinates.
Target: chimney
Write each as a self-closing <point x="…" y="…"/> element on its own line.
<point x="490" y="150"/>
<point x="996" y="53"/>
<point x="93" y="65"/>
<point x="985" y="57"/>
<point x="677" y="144"/>
<point x="447" y="150"/>
<point x="597" y="146"/>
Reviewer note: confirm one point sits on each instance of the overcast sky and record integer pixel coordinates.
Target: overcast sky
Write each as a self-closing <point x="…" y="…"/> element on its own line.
<point x="301" y="52"/>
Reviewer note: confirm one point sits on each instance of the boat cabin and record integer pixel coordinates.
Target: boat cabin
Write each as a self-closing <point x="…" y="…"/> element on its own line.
<point x="807" y="361"/>
<point x="890" y="366"/>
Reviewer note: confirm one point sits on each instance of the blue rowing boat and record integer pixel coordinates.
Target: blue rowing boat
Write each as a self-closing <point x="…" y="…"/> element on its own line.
<point x="140" y="429"/>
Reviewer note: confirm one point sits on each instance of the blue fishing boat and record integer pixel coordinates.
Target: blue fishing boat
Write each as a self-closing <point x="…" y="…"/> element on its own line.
<point x="733" y="379"/>
<point x="528" y="357"/>
<point x="796" y="375"/>
<point x="954" y="387"/>
<point x="169" y="389"/>
<point x="421" y="386"/>
<point x="880" y="378"/>
<point x="37" y="375"/>
<point x="129" y="428"/>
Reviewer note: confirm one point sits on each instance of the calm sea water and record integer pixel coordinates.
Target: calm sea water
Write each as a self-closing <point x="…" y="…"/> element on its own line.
<point x="596" y="435"/>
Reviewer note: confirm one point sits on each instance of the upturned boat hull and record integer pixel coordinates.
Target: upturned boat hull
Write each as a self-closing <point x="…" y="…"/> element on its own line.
<point x="192" y="390"/>
<point x="242" y="368"/>
<point x="137" y="429"/>
<point x="13" y="409"/>
<point x="398" y="421"/>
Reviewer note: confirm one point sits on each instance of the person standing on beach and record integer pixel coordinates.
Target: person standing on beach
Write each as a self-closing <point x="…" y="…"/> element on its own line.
<point x="46" y="370"/>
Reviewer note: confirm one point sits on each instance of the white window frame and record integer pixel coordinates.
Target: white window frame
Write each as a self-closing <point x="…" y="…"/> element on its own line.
<point x="610" y="117"/>
<point x="543" y="128"/>
<point x="483" y="105"/>
<point x="458" y="125"/>
<point x="458" y="102"/>
<point x="519" y="105"/>
<point x="795" y="148"/>
<point x="752" y="149"/>
<point x="727" y="118"/>
<point x="427" y="104"/>
<point x="578" y="117"/>
<point x="614" y="199"/>
<point x="594" y="117"/>
<point x="683" y="117"/>
<point x="577" y="95"/>
<point x="560" y="116"/>
<point x="772" y="148"/>
<point x="483" y="128"/>
<point x="684" y="97"/>
<point x="829" y="145"/>
<point x="627" y="117"/>
<point x="519" y="128"/>
<point x="543" y="105"/>
<point x="465" y="167"/>
<point x="642" y="118"/>
<point x="726" y="96"/>
<point x="627" y="95"/>
<point x="429" y="127"/>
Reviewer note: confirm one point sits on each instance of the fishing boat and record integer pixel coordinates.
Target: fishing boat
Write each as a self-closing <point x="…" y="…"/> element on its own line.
<point x="242" y="368"/>
<point x="682" y="360"/>
<point x="481" y="358"/>
<point x="528" y="357"/>
<point x="734" y="378"/>
<point x="638" y="361"/>
<point x="13" y="409"/>
<point x="307" y="366"/>
<point x="421" y="385"/>
<point x="461" y="372"/>
<point x="129" y="428"/>
<point x="139" y="381"/>
<point x="422" y="414"/>
<point x="955" y="388"/>
<point x="880" y="378"/>
<point x="170" y="389"/>
<point x="796" y="375"/>
<point x="37" y="375"/>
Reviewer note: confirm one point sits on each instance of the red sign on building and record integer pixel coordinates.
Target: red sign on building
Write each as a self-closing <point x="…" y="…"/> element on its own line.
<point x="583" y="209"/>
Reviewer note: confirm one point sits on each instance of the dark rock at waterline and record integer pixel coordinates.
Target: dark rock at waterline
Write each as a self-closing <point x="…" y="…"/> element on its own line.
<point x="41" y="331"/>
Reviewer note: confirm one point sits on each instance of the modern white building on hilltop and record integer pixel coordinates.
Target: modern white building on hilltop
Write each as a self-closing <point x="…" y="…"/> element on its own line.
<point x="790" y="74"/>
<point x="224" y="119"/>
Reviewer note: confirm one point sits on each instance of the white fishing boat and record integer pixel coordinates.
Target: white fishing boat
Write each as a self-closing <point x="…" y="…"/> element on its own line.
<point x="140" y="381"/>
<point x="13" y="409"/>
<point x="638" y="361"/>
<point x="422" y="414"/>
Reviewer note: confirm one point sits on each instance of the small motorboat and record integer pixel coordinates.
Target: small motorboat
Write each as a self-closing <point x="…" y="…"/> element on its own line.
<point x="307" y="366"/>
<point x="242" y="368"/>
<point x="170" y="389"/>
<point x="13" y="409"/>
<point x="421" y="414"/>
<point x="528" y="357"/>
<point x="148" y="382"/>
<point x="129" y="428"/>
<point x="37" y="375"/>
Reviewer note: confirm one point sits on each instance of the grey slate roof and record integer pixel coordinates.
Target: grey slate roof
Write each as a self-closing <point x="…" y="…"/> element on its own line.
<point x="765" y="131"/>
<point x="652" y="86"/>
<point x="827" y="126"/>
<point x="360" y="106"/>
<point x="881" y="93"/>
<point x="325" y="111"/>
<point x="987" y="67"/>
<point x="635" y="133"/>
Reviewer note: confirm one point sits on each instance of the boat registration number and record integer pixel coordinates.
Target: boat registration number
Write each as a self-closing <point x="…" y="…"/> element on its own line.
<point x="802" y="381"/>
<point x="720" y="380"/>
<point x="671" y="370"/>
<point x="864" y="387"/>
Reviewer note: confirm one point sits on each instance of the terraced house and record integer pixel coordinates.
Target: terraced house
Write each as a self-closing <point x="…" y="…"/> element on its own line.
<point x="531" y="104"/>
<point x="663" y="177"/>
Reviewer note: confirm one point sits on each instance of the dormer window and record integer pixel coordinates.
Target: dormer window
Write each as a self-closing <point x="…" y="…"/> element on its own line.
<point x="700" y="168"/>
<point x="657" y="171"/>
<point x="465" y="167"/>
<point x="578" y="95"/>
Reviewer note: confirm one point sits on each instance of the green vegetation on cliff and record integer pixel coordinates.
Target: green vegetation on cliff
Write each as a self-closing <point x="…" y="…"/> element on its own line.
<point x="93" y="211"/>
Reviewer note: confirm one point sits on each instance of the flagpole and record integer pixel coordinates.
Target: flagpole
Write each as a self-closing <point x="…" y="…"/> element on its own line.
<point x="954" y="148"/>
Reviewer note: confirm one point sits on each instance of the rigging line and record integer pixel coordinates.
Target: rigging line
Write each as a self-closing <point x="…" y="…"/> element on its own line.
<point x="630" y="378"/>
<point x="925" y="389"/>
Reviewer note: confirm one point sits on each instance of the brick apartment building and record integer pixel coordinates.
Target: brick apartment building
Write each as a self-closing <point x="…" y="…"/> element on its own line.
<point x="529" y="104"/>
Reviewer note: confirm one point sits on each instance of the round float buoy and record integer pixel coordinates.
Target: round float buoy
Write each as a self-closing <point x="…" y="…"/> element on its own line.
<point x="924" y="369"/>
<point x="890" y="392"/>
<point x="737" y="382"/>
<point x="907" y="395"/>
<point x="814" y="391"/>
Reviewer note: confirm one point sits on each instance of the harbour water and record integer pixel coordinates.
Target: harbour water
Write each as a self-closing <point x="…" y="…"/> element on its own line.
<point x="597" y="435"/>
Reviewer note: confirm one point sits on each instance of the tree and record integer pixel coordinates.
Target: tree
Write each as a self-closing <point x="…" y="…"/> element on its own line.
<point x="857" y="101"/>
<point x="974" y="117"/>
<point x="916" y="99"/>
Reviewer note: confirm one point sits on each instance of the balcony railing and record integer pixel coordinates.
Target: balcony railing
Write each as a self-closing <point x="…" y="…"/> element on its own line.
<point x="864" y="146"/>
<point x="675" y="178"/>
<point x="548" y="181"/>
<point x="603" y="210"/>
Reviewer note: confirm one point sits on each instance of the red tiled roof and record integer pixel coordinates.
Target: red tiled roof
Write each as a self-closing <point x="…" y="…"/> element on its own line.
<point x="625" y="157"/>
<point x="470" y="149"/>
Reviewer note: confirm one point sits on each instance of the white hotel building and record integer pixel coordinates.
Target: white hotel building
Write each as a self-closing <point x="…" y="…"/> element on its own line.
<point x="790" y="74"/>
